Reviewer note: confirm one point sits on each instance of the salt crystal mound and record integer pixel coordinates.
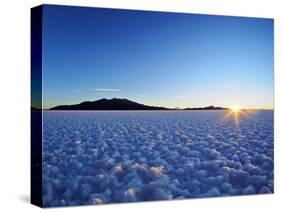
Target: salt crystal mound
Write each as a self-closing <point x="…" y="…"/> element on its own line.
<point x="129" y="156"/>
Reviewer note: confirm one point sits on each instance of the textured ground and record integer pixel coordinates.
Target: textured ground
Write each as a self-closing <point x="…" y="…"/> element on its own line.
<point x="103" y="157"/>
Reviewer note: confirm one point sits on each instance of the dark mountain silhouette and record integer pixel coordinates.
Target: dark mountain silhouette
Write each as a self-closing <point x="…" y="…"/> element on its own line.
<point x="108" y="104"/>
<point x="122" y="104"/>
<point x="211" y="107"/>
<point x="34" y="109"/>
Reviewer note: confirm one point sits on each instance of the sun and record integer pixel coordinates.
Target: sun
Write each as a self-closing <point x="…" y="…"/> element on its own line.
<point x="235" y="112"/>
<point x="235" y="108"/>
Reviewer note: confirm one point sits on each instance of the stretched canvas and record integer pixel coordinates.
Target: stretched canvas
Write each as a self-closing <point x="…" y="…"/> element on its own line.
<point x="131" y="106"/>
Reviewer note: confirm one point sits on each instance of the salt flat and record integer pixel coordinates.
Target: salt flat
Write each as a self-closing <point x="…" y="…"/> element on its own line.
<point x="123" y="156"/>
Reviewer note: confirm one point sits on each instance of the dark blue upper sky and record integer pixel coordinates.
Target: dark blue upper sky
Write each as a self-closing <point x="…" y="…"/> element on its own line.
<point x="165" y="59"/>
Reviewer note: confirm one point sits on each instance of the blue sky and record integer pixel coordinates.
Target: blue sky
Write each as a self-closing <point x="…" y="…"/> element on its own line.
<point x="164" y="59"/>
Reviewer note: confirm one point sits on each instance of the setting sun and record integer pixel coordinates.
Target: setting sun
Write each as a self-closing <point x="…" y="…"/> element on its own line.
<point x="235" y="108"/>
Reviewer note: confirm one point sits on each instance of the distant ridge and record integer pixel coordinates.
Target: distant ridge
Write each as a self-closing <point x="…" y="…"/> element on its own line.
<point x="211" y="107"/>
<point x="123" y="104"/>
<point x="108" y="104"/>
<point x="34" y="109"/>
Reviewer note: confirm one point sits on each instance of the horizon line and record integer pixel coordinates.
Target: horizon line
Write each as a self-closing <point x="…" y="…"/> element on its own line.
<point x="170" y="108"/>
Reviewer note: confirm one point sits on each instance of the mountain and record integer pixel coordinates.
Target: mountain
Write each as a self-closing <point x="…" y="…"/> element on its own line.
<point x="211" y="107"/>
<point x="108" y="104"/>
<point x="122" y="104"/>
<point x="34" y="109"/>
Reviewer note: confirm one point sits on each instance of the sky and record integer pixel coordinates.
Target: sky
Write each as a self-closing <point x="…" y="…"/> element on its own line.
<point x="161" y="59"/>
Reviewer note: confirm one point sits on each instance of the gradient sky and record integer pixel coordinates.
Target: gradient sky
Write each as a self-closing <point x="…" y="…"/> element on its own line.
<point x="164" y="59"/>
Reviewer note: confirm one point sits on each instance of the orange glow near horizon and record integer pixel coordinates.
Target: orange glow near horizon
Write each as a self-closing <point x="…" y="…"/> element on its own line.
<point x="235" y="108"/>
<point x="235" y="112"/>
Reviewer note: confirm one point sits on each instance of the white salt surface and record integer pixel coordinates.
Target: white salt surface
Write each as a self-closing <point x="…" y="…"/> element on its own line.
<point x="113" y="156"/>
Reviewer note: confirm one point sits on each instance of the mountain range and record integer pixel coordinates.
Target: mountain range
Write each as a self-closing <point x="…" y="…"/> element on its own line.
<point x="121" y="104"/>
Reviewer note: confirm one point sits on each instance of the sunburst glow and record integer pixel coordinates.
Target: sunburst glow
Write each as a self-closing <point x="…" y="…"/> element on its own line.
<point x="236" y="112"/>
<point x="235" y="108"/>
